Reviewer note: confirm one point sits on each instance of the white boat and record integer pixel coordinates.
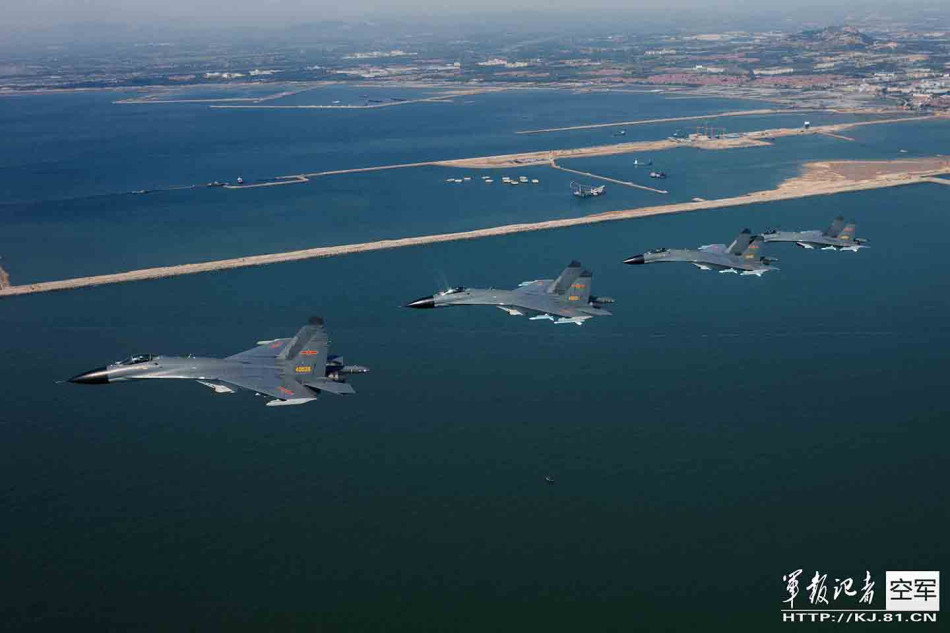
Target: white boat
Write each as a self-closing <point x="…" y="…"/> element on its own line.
<point x="535" y="181"/>
<point x="489" y="181"/>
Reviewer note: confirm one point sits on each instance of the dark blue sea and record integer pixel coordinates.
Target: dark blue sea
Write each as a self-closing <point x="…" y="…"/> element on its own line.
<point x="714" y="434"/>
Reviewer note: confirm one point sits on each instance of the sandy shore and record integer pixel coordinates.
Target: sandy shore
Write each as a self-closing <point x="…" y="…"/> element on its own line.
<point x="851" y="170"/>
<point x="818" y="179"/>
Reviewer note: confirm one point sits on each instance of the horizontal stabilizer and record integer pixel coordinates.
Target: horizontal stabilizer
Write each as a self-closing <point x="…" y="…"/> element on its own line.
<point x="330" y="386"/>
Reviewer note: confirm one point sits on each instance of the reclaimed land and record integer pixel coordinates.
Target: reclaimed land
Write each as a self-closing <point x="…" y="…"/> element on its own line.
<point x="760" y="138"/>
<point x="817" y="179"/>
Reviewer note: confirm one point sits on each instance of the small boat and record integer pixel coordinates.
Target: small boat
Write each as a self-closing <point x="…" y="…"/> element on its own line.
<point x="240" y="180"/>
<point x="523" y="178"/>
<point x="467" y="178"/>
<point x="549" y="479"/>
<point x="642" y="163"/>
<point x="489" y="181"/>
<point x="657" y="174"/>
<point x="215" y="184"/>
<point x="450" y="180"/>
<point x="458" y="180"/>
<point x="535" y="181"/>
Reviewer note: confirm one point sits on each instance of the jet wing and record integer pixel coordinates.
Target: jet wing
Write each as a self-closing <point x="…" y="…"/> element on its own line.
<point x="274" y="385"/>
<point x="536" y="287"/>
<point x="533" y="306"/>
<point x="265" y="351"/>
<point x="715" y="249"/>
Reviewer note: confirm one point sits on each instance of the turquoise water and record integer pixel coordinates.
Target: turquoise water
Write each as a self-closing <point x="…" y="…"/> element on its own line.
<point x="715" y="433"/>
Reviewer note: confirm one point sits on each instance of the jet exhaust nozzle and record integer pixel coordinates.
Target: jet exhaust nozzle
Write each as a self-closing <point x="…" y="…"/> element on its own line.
<point x="99" y="376"/>
<point x="636" y="259"/>
<point x="423" y="303"/>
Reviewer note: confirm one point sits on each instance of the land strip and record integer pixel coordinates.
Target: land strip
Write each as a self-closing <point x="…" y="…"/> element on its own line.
<point x="819" y="179"/>
<point x="280" y="180"/>
<point x="837" y="136"/>
<point x="619" y="182"/>
<point x="698" y="117"/>
<point x="543" y="157"/>
<point x="270" y="97"/>
<point x="446" y="97"/>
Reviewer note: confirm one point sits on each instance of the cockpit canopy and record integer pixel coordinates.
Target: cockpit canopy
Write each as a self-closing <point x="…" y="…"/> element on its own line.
<point x="658" y="250"/>
<point x="138" y="358"/>
<point x="452" y="291"/>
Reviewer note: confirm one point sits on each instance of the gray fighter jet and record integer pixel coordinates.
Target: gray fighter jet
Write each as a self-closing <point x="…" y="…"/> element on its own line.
<point x="837" y="237"/>
<point x="291" y="370"/>
<point x="566" y="299"/>
<point x="742" y="256"/>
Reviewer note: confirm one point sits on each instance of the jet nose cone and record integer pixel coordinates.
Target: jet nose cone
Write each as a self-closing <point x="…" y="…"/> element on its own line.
<point x="636" y="259"/>
<point x="98" y="376"/>
<point x="425" y="302"/>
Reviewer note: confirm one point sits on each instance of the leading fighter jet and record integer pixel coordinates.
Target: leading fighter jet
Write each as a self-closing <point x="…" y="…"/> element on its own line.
<point x="837" y="237"/>
<point x="566" y="299"/>
<point x="742" y="256"/>
<point x="290" y="370"/>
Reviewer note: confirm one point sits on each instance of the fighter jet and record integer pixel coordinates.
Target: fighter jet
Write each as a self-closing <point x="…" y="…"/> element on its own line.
<point x="742" y="256"/>
<point x="290" y="370"/>
<point x="566" y="299"/>
<point x="837" y="237"/>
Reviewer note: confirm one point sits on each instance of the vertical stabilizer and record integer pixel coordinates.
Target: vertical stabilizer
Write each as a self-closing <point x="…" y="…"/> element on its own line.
<point x="579" y="292"/>
<point x="836" y="227"/>
<point x="847" y="233"/>
<point x="742" y="242"/>
<point x="567" y="277"/>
